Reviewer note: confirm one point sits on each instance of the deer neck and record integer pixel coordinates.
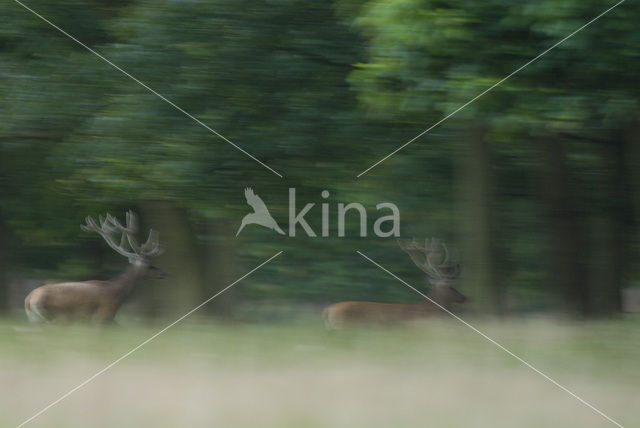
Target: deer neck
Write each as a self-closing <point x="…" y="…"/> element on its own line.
<point x="126" y="282"/>
<point x="439" y="296"/>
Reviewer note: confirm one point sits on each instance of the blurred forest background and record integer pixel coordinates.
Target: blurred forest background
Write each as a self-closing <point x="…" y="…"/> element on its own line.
<point x="536" y="183"/>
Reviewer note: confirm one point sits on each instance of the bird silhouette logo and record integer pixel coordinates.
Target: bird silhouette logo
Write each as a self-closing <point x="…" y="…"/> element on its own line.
<point x="260" y="214"/>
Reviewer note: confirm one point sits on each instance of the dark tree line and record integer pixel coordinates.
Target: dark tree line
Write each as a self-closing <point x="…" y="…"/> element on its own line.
<point x="535" y="182"/>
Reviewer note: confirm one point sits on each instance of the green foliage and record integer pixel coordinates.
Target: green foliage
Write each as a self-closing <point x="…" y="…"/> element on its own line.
<point x="319" y="92"/>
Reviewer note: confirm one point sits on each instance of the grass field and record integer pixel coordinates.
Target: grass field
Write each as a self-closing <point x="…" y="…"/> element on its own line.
<point x="436" y="373"/>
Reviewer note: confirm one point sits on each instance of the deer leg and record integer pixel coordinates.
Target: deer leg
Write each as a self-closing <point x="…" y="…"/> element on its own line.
<point x="104" y="315"/>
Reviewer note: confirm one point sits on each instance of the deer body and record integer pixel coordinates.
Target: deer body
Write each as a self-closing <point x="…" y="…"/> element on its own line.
<point x="441" y="295"/>
<point x="344" y="314"/>
<point x="96" y="300"/>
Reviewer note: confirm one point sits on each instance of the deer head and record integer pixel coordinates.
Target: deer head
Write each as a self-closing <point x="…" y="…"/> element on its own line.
<point x="442" y="269"/>
<point x="138" y="255"/>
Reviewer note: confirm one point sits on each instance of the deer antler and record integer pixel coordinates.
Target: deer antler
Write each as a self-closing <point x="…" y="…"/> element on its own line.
<point x="110" y="225"/>
<point x="423" y="255"/>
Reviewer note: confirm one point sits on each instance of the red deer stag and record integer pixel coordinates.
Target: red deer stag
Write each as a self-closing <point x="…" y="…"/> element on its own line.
<point x="98" y="300"/>
<point x="434" y="260"/>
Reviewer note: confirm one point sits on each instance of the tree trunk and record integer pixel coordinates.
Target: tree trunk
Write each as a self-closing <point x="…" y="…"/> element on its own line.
<point x="619" y="222"/>
<point x="568" y="253"/>
<point x="219" y="262"/>
<point x="476" y="201"/>
<point x="4" y="267"/>
<point x="182" y="289"/>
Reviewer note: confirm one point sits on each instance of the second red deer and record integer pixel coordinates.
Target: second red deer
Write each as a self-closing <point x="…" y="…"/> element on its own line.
<point x="433" y="258"/>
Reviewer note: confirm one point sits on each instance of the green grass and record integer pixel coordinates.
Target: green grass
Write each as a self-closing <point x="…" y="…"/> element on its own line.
<point x="434" y="373"/>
